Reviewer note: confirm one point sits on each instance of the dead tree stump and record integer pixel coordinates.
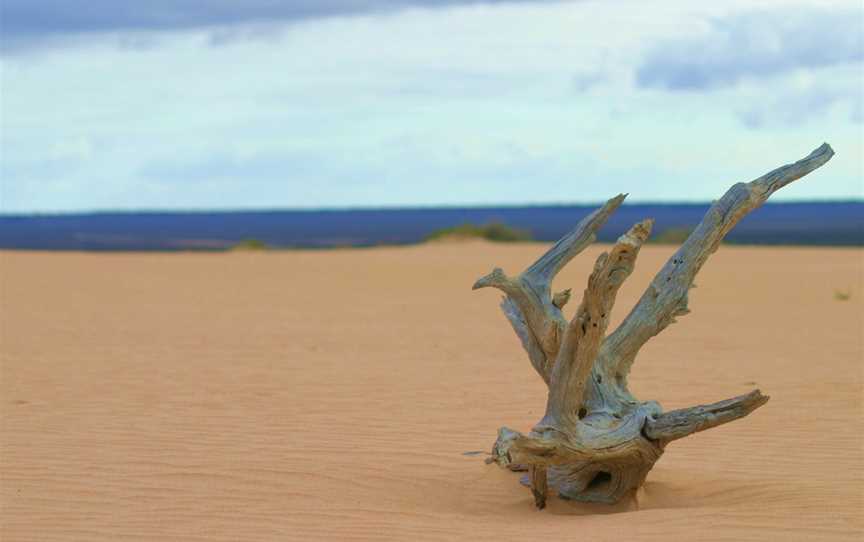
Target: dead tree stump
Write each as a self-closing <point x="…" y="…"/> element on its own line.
<point x="596" y="442"/>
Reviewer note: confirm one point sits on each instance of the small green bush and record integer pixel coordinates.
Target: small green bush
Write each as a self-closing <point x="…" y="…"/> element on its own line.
<point x="842" y="295"/>
<point x="251" y="244"/>
<point x="672" y="236"/>
<point x="494" y="231"/>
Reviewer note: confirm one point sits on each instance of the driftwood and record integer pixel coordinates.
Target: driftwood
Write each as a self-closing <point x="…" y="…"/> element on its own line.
<point x="596" y="442"/>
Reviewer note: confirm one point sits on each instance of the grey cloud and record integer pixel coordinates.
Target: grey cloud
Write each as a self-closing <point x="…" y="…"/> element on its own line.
<point x="583" y="82"/>
<point x="791" y="108"/>
<point x="225" y="166"/>
<point x="27" y="23"/>
<point x="755" y="44"/>
<point x="42" y="170"/>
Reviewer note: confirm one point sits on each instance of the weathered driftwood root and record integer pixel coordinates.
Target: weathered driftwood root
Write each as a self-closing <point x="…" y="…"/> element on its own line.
<point x="596" y="442"/>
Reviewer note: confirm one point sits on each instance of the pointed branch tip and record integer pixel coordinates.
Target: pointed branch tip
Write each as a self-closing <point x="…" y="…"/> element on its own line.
<point x="637" y="234"/>
<point x="684" y="422"/>
<point x="561" y="298"/>
<point x="496" y="278"/>
<point x="666" y="297"/>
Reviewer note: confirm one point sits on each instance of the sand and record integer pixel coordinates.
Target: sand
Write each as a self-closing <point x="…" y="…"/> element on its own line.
<point x="332" y="394"/>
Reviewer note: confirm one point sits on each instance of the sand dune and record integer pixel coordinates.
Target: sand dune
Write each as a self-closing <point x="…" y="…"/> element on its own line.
<point x="332" y="395"/>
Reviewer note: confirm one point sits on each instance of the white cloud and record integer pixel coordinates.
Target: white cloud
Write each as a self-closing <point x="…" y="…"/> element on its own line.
<point x="480" y="104"/>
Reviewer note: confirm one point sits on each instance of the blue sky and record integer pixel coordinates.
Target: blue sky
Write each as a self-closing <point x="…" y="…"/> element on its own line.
<point x="214" y="104"/>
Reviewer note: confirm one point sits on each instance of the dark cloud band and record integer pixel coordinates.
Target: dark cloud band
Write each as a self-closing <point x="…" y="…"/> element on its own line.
<point x="23" y="21"/>
<point x="755" y="44"/>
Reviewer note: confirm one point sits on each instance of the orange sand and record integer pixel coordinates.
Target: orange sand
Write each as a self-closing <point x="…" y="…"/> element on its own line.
<point x="331" y="395"/>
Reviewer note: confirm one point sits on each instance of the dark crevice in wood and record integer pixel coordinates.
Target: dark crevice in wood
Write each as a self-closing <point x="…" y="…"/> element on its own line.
<point x="605" y="456"/>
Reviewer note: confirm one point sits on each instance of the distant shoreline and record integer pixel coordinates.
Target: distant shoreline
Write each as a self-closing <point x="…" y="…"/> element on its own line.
<point x="821" y="223"/>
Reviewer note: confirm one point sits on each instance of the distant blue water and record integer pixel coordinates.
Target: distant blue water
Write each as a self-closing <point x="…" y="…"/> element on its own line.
<point x="818" y="223"/>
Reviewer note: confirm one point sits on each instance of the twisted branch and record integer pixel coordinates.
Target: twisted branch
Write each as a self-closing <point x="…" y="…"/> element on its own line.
<point x="684" y="422"/>
<point x="586" y="330"/>
<point x="666" y="297"/>
<point x="597" y="443"/>
<point x="529" y="306"/>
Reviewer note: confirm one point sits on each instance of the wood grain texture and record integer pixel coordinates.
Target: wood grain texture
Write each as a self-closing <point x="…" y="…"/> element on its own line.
<point x="282" y="396"/>
<point x="665" y="299"/>
<point x="596" y="442"/>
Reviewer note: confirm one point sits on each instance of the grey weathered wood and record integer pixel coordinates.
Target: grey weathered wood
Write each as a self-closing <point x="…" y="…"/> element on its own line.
<point x="596" y="442"/>
<point x="539" y="487"/>
<point x="684" y="422"/>
<point x="666" y="297"/>
<point x="535" y="316"/>
<point x="585" y="333"/>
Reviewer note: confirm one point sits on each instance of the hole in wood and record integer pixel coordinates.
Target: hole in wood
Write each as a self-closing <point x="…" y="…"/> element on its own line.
<point x="565" y="361"/>
<point x="600" y="480"/>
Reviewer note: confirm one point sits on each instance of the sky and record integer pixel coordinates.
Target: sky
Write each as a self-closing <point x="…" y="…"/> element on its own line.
<point x="218" y="104"/>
